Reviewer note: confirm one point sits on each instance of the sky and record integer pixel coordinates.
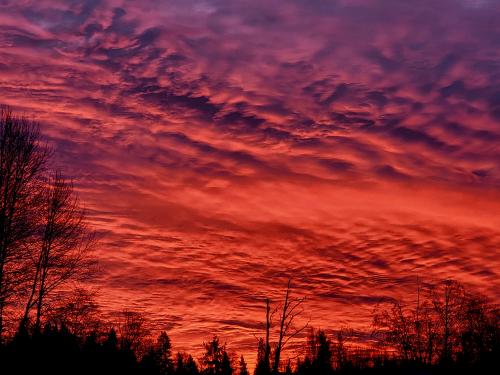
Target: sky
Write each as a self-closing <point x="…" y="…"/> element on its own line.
<point x="222" y="147"/>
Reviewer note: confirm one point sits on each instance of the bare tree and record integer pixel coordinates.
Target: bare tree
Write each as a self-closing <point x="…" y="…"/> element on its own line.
<point x="448" y="300"/>
<point x="396" y="327"/>
<point x="263" y="366"/>
<point x="267" y="347"/>
<point x="449" y="325"/>
<point x="135" y="331"/>
<point x="22" y="162"/>
<point x="430" y="331"/>
<point x="78" y="311"/>
<point x="480" y="331"/>
<point x="340" y="349"/>
<point x="64" y="245"/>
<point x="291" y="309"/>
<point x="418" y="326"/>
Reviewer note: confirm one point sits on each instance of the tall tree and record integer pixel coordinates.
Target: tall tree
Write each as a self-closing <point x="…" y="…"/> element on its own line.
<point x="286" y="331"/>
<point x="185" y="365"/>
<point x="64" y="246"/>
<point x="215" y="360"/>
<point x="448" y="300"/>
<point x="263" y="366"/>
<point x="320" y="351"/>
<point x="291" y="308"/>
<point x="163" y="349"/>
<point x="448" y="326"/>
<point x="243" y="366"/>
<point x="22" y="162"/>
<point x="226" y="365"/>
<point x="78" y="310"/>
<point x="340" y="350"/>
<point x="396" y="327"/>
<point x="134" y="329"/>
<point x="158" y="360"/>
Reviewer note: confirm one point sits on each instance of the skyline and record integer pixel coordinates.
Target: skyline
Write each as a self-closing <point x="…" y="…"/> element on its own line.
<point x="222" y="147"/>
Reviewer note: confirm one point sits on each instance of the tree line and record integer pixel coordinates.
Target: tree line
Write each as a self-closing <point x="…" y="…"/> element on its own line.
<point x="49" y="323"/>
<point x="446" y="330"/>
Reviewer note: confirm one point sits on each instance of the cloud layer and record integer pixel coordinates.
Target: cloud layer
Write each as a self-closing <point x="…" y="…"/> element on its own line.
<point x="224" y="146"/>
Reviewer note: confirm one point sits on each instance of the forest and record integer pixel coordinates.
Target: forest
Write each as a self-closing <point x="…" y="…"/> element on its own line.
<point x="51" y="324"/>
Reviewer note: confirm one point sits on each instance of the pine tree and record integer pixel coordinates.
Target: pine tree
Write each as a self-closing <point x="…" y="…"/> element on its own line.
<point x="243" y="367"/>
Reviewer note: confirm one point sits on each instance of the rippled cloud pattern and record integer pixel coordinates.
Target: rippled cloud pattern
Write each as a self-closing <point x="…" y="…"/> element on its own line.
<point x="223" y="146"/>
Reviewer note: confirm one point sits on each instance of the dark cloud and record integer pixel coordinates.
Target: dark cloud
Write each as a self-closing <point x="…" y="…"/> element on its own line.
<point x="410" y="136"/>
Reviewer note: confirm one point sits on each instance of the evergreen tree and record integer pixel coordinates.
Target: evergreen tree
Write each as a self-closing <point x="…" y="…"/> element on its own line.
<point x="243" y="367"/>
<point x="185" y="365"/>
<point x="263" y="366"/>
<point x="216" y="361"/>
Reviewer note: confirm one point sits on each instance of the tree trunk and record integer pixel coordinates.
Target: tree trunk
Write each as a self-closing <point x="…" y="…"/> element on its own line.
<point x="267" y="352"/>
<point x="277" y="353"/>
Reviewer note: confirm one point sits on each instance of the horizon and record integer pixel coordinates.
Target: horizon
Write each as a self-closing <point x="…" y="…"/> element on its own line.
<point x="223" y="147"/>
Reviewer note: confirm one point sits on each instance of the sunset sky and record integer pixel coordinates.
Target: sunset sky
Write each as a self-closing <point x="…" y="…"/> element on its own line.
<point x="223" y="146"/>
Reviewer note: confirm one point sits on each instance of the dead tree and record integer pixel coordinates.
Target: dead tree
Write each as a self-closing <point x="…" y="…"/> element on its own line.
<point x="267" y="349"/>
<point x="292" y="307"/>
<point x="263" y="366"/>
<point x="22" y="162"/>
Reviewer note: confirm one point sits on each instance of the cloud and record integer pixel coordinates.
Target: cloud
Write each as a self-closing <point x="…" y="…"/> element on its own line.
<point x="223" y="146"/>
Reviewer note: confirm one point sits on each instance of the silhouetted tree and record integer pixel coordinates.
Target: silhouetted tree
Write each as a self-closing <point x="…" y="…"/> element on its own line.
<point x="163" y="349"/>
<point x="215" y="360"/>
<point x="111" y="342"/>
<point x="77" y="310"/>
<point x="305" y="367"/>
<point x="448" y="299"/>
<point x="397" y="329"/>
<point x="134" y="329"/>
<point x="479" y="333"/>
<point x="243" y="366"/>
<point x="340" y="348"/>
<point x="226" y="367"/>
<point x="119" y="356"/>
<point x="185" y="365"/>
<point x="450" y="326"/>
<point x="291" y="308"/>
<point x="65" y="243"/>
<point x="22" y="162"/>
<point x="262" y="366"/>
<point x="158" y="359"/>
<point x="320" y="353"/>
<point x="267" y="346"/>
